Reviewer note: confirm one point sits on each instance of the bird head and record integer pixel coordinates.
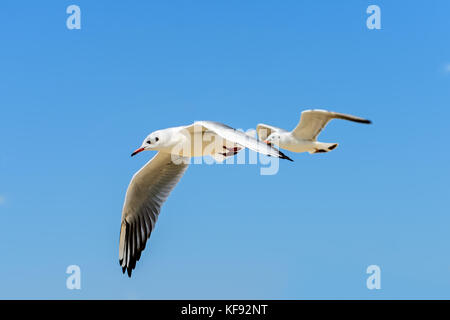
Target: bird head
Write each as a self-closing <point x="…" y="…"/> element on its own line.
<point x="274" y="138"/>
<point x="151" y="142"/>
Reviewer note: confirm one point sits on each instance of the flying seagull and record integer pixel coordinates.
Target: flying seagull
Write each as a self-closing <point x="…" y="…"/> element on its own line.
<point x="151" y="185"/>
<point x="304" y="136"/>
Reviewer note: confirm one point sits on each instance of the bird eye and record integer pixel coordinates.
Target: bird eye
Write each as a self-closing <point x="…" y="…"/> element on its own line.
<point x="156" y="139"/>
<point x="149" y="142"/>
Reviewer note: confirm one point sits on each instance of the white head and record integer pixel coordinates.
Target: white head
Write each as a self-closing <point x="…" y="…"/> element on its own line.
<point x="154" y="141"/>
<point x="274" y="138"/>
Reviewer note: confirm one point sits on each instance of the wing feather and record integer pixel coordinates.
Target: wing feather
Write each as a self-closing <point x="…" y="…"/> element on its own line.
<point x="238" y="137"/>
<point x="148" y="190"/>
<point x="313" y="121"/>
<point x="265" y="130"/>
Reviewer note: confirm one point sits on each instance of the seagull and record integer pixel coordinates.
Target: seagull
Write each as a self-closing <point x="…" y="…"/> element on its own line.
<point x="304" y="136"/>
<point x="152" y="184"/>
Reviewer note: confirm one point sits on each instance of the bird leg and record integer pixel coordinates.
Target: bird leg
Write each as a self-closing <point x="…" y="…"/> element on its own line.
<point x="231" y="151"/>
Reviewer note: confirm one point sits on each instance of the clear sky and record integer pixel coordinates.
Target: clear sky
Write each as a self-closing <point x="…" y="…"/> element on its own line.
<point x="75" y="103"/>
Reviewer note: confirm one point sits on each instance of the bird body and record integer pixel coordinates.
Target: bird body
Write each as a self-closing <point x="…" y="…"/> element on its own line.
<point x="293" y="144"/>
<point x="152" y="184"/>
<point x="304" y="136"/>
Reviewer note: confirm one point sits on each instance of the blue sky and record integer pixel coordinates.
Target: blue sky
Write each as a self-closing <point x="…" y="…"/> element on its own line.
<point x="75" y="103"/>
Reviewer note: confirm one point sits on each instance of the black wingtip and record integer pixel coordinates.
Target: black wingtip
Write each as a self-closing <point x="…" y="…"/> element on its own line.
<point x="128" y="269"/>
<point x="366" y="121"/>
<point x="283" y="156"/>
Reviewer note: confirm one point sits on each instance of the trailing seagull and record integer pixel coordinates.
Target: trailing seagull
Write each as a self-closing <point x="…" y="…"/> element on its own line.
<point x="303" y="137"/>
<point x="151" y="185"/>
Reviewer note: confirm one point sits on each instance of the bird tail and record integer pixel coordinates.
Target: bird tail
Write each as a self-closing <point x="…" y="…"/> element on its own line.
<point x="321" y="147"/>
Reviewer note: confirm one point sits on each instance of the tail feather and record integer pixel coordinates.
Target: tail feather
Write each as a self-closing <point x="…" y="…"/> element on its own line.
<point x="322" y="147"/>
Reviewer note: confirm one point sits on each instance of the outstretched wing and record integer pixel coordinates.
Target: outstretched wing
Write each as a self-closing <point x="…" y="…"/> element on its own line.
<point x="148" y="190"/>
<point x="313" y="121"/>
<point x="237" y="137"/>
<point x="264" y="130"/>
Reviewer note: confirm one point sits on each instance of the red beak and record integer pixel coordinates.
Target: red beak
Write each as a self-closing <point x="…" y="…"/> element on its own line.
<point x="137" y="151"/>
